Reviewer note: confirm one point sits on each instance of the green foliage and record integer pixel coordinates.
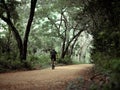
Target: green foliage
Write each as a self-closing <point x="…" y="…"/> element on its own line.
<point x="66" y="60"/>
<point x="106" y="19"/>
<point x="81" y="84"/>
<point x="44" y="34"/>
<point x="12" y="62"/>
<point x="16" y="64"/>
<point x="32" y="59"/>
<point x="114" y="73"/>
<point x="9" y="62"/>
<point x="11" y="7"/>
<point x="108" y="66"/>
<point x="77" y="62"/>
<point x="77" y="84"/>
<point x="4" y="65"/>
<point x="40" y="61"/>
<point x="45" y="60"/>
<point x="106" y="33"/>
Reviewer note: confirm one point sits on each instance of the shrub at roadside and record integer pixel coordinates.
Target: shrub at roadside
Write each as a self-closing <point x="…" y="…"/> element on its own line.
<point x="67" y="60"/>
<point x="110" y="67"/>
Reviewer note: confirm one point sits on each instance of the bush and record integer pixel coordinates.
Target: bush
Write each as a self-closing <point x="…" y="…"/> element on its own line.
<point x="67" y="60"/>
<point x="12" y="62"/>
<point x="4" y="65"/>
<point x="7" y="63"/>
<point x="16" y="64"/>
<point x="44" y="60"/>
<point x="77" y="84"/>
<point x="39" y="61"/>
<point x="108" y="66"/>
<point x="114" y="74"/>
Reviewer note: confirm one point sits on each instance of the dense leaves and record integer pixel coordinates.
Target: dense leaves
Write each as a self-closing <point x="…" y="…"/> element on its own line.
<point x="107" y="22"/>
<point x="106" y="33"/>
<point x="64" y="25"/>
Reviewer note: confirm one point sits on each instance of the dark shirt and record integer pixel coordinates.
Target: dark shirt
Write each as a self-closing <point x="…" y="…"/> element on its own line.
<point x="53" y="54"/>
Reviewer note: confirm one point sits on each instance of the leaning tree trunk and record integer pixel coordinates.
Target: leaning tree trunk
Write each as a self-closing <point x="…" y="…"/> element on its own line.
<point x="16" y="35"/>
<point x="66" y="46"/>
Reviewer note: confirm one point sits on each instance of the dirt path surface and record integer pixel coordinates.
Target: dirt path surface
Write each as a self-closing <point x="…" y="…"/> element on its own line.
<point x="45" y="79"/>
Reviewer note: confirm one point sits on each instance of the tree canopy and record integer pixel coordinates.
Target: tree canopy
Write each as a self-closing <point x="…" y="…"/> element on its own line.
<point x="80" y="30"/>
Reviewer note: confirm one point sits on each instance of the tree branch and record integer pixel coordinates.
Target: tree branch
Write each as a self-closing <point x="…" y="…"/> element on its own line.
<point x="6" y="9"/>
<point x="57" y="27"/>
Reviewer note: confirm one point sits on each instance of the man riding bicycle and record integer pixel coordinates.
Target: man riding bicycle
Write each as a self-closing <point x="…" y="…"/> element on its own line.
<point x="53" y="57"/>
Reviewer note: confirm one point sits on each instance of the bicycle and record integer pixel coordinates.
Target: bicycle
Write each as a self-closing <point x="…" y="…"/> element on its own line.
<point x="53" y="58"/>
<point x="53" y="64"/>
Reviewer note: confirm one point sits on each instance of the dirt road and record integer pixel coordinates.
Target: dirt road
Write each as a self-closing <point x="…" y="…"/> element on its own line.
<point x="45" y="79"/>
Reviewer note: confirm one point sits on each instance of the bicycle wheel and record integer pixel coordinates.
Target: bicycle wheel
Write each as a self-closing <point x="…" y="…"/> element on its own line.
<point x="53" y="66"/>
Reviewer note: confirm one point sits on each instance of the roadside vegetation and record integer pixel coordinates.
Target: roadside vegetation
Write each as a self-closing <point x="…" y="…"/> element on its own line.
<point x="81" y="31"/>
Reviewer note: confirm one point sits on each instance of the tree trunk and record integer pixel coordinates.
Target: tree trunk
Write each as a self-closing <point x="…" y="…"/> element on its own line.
<point x="63" y="55"/>
<point x="32" y="11"/>
<point x="72" y="46"/>
<point x="63" y="48"/>
<point x="22" y="46"/>
<point x="66" y="46"/>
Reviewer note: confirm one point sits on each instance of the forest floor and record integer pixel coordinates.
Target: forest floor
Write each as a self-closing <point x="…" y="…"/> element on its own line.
<point x="45" y="79"/>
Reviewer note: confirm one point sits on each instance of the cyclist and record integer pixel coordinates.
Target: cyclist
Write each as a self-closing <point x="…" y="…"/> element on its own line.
<point x="53" y="54"/>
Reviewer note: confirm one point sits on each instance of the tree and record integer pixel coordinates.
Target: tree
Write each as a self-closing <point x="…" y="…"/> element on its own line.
<point x="106" y="21"/>
<point x="67" y="29"/>
<point x="22" y="45"/>
<point x="59" y="24"/>
<point x="106" y="33"/>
